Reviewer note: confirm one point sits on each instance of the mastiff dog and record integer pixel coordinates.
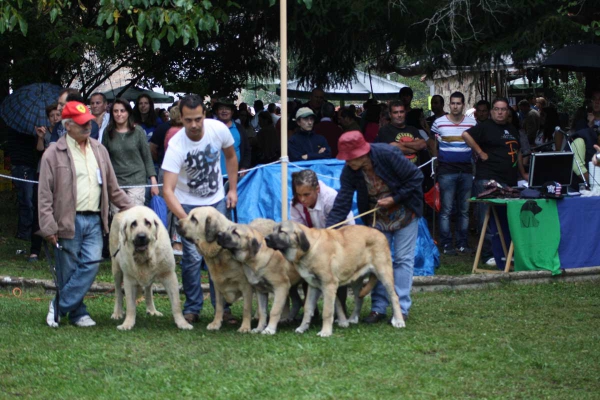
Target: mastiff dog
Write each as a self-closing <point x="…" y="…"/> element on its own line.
<point x="201" y="226"/>
<point x="327" y="259"/>
<point x="141" y="253"/>
<point x="266" y="269"/>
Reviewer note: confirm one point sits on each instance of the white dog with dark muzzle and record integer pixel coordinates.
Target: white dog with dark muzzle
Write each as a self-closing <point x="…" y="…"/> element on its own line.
<point x="141" y="253"/>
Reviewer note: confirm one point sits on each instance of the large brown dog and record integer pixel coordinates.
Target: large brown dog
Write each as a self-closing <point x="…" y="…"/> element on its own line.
<point x="327" y="259"/>
<point x="142" y="253"/>
<point x="201" y="226"/>
<point x="267" y="270"/>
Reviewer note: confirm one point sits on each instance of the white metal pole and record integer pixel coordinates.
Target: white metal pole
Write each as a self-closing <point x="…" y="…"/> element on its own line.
<point x="284" y="110"/>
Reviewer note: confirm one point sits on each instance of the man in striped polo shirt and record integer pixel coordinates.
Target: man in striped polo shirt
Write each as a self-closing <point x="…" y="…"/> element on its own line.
<point x="455" y="173"/>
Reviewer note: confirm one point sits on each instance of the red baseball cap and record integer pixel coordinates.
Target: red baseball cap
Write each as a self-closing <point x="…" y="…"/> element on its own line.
<point x="352" y="145"/>
<point x="78" y="112"/>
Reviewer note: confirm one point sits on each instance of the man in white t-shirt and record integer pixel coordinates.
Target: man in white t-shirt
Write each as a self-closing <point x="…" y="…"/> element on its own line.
<point x="193" y="178"/>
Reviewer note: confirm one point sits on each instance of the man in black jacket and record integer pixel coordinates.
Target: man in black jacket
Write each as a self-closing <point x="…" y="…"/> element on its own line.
<point x="305" y="144"/>
<point x="382" y="177"/>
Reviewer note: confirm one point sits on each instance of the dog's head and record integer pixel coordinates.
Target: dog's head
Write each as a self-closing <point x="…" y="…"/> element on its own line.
<point x="532" y="206"/>
<point x="289" y="238"/>
<point x="243" y="241"/>
<point x="202" y="225"/>
<point x="140" y="228"/>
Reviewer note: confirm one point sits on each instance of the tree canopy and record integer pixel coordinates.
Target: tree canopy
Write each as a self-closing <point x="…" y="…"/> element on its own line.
<point x="215" y="46"/>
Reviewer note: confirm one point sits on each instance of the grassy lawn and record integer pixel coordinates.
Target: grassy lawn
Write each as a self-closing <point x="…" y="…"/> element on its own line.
<point x="524" y="342"/>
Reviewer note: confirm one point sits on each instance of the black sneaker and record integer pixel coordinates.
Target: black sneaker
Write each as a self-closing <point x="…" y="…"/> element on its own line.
<point x="374" y="318"/>
<point x="449" y="251"/>
<point x="465" y="250"/>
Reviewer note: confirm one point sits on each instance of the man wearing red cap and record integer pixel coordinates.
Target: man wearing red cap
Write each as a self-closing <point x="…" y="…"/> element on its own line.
<point x="77" y="182"/>
<point x="383" y="178"/>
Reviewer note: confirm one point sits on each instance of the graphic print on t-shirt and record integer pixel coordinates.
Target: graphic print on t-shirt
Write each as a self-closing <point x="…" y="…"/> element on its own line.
<point x="404" y="137"/>
<point x="203" y="169"/>
<point x="513" y="146"/>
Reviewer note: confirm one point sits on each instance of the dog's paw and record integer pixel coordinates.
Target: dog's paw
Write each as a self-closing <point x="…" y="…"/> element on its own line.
<point x="343" y="324"/>
<point x="398" y="323"/>
<point x="301" y="329"/>
<point x="353" y="320"/>
<point x="154" y="313"/>
<point x="244" y="329"/>
<point x="213" y="326"/>
<point x="324" y="333"/>
<point x="117" y="315"/>
<point x="269" y="331"/>
<point x="125" y="327"/>
<point x="185" y="326"/>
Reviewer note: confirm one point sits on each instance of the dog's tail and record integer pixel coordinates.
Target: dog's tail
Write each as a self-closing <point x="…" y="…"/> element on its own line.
<point x="369" y="286"/>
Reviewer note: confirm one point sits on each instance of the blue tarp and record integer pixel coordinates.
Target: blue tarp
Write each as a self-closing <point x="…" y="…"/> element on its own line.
<point x="259" y="194"/>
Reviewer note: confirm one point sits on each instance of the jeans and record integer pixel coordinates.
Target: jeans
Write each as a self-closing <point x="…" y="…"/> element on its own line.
<point x="402" y="244"/>
<point x="24" y="199"/>
<point x="455" y="186"/>
<point x="191" y="263"/>
<point x="74" y="277"/>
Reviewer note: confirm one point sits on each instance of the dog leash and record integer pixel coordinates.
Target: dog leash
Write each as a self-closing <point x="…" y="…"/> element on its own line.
<point x="356" y="217"/>
<point x="54" y="271"/>
<point x="74" y="257"/>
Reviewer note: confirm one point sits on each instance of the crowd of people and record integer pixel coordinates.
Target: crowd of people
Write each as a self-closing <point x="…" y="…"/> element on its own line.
<point x="198" y="152"/>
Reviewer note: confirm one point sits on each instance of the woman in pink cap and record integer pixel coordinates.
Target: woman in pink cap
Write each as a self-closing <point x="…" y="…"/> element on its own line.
<point x="382" y="178"/>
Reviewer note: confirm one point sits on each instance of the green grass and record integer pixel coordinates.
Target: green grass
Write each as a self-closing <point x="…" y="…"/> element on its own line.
<point x="525" y="342"/>
<point x="522" y="342"/>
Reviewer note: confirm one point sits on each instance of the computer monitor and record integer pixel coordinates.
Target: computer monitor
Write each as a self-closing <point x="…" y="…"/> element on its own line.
<point x="551" y="166"/>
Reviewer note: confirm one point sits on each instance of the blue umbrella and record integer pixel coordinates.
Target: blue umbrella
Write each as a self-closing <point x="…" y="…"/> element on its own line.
<point x="25" y="108"/>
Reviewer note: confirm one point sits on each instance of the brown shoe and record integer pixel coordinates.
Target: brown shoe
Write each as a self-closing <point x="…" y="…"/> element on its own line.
<point x="229" y="319"/>
<point x="191" y="318"/>
<point x="374" y="317"/>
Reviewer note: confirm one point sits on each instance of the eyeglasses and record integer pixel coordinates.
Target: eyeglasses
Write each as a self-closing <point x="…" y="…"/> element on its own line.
<point x="497" y="109"/>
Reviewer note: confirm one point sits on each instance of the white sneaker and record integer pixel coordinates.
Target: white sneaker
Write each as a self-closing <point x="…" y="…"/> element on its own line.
<point x="177" y="252"/>
<point x="491" y="262"/>
<point x="50" y="317"/>
<point x="85" y="322"/>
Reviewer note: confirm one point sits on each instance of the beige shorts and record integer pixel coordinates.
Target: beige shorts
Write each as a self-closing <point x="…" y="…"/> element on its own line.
<point x="137" y="195"/>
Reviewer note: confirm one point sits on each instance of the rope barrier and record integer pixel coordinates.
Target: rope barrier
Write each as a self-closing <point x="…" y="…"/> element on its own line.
<point x="17" y="179"/>
<point x="432" y="165"/>
<point x="259" y="167"/>
<point x="140" y="186"/>
<point x="282" y="159"/>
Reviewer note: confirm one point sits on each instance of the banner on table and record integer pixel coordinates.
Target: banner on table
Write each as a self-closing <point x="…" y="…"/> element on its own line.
<point x="535" y="231"/>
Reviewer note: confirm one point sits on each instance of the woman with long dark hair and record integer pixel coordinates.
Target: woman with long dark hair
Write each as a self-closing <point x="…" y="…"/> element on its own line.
<point x="129" y="152"/>
<point x="549" y="120"/>
<point x="144" y="115"/>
